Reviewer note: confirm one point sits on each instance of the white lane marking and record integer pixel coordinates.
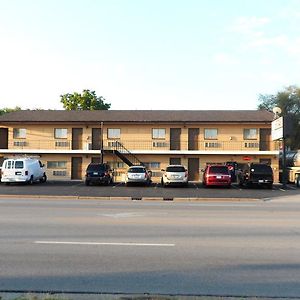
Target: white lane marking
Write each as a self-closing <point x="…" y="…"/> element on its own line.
<point x="103" y="244"/>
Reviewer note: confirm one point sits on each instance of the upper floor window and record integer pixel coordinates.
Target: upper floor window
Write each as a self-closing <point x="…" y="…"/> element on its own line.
<point x="60" y="133"/>
<point x="158" y="133"/>
<point x="19" y="133"/>
<point x="113" y="133"/>
<point x="250" y="134"/>
<point x="210" y="133"/>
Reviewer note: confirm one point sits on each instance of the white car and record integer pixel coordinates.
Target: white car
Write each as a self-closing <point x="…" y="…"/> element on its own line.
<point x="23" y="170"/>
<point x="174" y="174"/>
<point x="137" y="174"/>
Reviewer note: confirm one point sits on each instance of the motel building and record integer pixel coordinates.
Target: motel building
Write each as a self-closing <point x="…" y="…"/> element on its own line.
<point x="67" y="141"/>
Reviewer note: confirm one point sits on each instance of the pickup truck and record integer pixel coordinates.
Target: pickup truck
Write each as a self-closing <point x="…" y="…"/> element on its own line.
<point x="256" y="174"/>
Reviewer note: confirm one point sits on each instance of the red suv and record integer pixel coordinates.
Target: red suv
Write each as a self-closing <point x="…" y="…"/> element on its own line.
<point x="218" y="175"/>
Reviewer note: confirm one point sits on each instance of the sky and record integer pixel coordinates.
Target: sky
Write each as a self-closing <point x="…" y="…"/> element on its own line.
<point x="148" y="54"/>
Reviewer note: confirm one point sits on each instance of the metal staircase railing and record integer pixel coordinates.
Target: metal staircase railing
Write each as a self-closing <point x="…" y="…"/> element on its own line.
<point x="125" y="155"/>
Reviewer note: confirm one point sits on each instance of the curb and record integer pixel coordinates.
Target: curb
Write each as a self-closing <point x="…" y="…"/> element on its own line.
<point x="108" y="198"/>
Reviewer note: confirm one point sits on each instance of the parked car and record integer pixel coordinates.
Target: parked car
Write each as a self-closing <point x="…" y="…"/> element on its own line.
<point x="138" y="175"/>
<point x="256" y="174"/>
<point x="26" y="170"/>
<point x="174" y="175"/>
<point x="216" y="175"/>
<point x="98" y="174"/>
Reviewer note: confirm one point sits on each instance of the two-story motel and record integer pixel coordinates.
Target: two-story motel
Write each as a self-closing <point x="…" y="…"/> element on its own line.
<point x="67" y="141"/>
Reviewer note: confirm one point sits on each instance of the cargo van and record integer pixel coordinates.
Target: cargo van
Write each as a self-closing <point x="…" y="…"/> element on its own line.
<point x="26" y="170"/>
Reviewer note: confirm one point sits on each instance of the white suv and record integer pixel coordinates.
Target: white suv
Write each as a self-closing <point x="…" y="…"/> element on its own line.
<point x="174" y="174"/>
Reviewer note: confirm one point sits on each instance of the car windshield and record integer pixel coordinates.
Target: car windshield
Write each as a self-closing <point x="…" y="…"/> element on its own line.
<point x="175" y="169"/>
<point x="218" y="169"/>
<point x="19" y="165"/>
<point x="96" y="167"/>
<point x="136" y="170"/>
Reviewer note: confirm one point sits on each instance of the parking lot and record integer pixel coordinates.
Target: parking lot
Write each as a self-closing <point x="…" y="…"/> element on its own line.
<point x="194" y="190"/>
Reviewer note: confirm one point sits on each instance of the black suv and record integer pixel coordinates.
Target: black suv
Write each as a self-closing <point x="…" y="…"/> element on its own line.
<point x="98" y="173"/>
<point x="256" y="174"/>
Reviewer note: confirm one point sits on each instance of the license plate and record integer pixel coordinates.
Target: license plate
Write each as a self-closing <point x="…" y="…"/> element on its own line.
<point x="219" y="177"/>
<point x="95" y="173"/>
<point x="261" y="180"/>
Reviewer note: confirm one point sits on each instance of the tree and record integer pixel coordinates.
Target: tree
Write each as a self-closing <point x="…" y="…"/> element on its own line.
<point x="88" y="100"/>
<point x="289" y="102"/>
<point x="7" y="110"/>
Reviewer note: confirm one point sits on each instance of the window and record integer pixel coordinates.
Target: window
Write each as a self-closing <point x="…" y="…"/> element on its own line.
<point x="113" y="133"/>
<point x="152" y="165"/>
<point x="19" y="164"/>
<point x="250" y="134"/>
<point x="19" y="133"/>
<point x="56" y="164"/>
<point x="210" y="133"/>
<point x="158" y="133"/>
<point x="60" y="133"/>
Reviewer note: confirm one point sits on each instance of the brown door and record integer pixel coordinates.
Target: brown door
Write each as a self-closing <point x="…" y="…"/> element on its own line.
<point x="96" y="138"/>
<point x="193" y="169"/>
<point x="193" y="134"/>
<point x="264" y="139"/>
<point x="175" y="138"/>
<point x="76" y="168"/>
<point x="175" y="161"/>
<point x="76" y="138"/>
<point x="3" y="138"/>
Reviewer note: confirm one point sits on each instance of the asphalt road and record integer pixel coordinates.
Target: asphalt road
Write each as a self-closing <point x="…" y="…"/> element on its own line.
<point x="188" y="248"/>
<point x="194" y="190"/>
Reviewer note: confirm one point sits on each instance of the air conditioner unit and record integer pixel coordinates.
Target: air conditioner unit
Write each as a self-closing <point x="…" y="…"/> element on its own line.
<point x="20" y="143"/>
<point x="251" y="145"/>
<point x="160" y="144"/>
<point x="212" y="145"/>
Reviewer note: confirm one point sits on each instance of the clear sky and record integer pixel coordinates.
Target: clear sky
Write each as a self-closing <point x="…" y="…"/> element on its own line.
<point x="148" y="54"/>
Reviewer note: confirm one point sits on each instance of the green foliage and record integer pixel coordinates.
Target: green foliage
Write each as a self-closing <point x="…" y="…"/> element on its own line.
<point x="289" y="102"/>
<point x="7" y="110"/>
<point x="88" y="100"/>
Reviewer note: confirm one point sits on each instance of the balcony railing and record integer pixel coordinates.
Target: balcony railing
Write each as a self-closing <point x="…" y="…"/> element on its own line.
<point x="154" y="145"/>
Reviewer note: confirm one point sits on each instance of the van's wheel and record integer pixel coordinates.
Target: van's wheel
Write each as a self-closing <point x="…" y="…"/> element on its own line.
<point x="30" y="180"/>
<point x="43" y="179"/>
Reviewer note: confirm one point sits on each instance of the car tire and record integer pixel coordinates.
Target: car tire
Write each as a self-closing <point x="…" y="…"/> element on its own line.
<point x="87" y="183"/>
<point x="43" y="179"/>
<point x="30" y="180"/>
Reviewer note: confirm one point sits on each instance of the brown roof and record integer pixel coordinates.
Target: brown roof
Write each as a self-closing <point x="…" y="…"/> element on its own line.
<point x="137" y="116"/>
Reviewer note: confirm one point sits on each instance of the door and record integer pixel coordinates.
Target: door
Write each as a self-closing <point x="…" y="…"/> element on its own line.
<point x="175" y="134"/>
<point x="76" y="138"/>
<point x="193" y="134"/>
<point x="175" y="161"/>
<point x="3" y="138"/>
<point x="96" y="138"/>
<point x="76" y="168"/>
<point x="264" y="139"/>
<point x="193" y="169"/>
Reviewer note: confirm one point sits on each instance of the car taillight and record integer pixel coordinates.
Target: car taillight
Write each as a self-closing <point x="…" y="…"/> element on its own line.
<point x="186" y="174"/>
<point x="26" y="173"/>
<point x="106" y="174"/>
<point x="145" y="175"/>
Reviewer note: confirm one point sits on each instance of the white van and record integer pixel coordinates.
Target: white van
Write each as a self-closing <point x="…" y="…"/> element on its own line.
<point x="23" y="170"/>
